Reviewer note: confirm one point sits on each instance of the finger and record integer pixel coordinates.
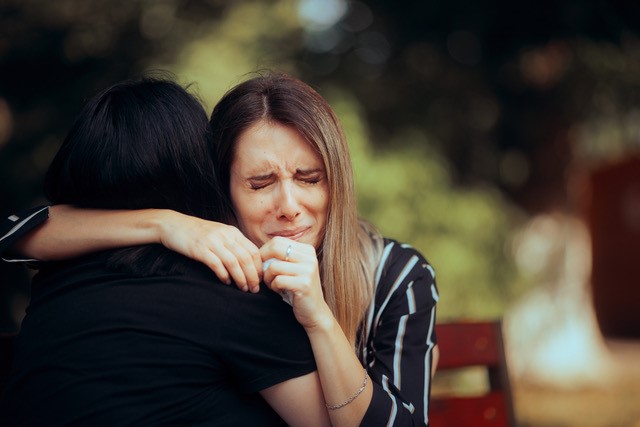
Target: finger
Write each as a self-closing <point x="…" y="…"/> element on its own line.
<point x="304" y="271"/>
<point x="247" y="265"/>
<point x="253" y="264"/>
<point x="279" y="248"/>
<point x="282" y="283"/>
<point x="214" y="263"/>
<point x="250" y="247"/>
<point x="267" y="273"/>
<point x="232" y="264"/>
<point x="274" y="267"/>
<point x="257" y="261"/>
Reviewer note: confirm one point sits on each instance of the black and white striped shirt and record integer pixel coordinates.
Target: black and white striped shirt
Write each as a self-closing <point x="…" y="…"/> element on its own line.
<point x="400" y="338"/>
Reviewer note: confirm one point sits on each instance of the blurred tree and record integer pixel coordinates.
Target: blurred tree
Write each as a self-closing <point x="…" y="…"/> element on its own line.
<point x="500" y="85"/>
<point x="509" y="96"/>
<point x="468" y="105"/>
<point x="53" y="55"/>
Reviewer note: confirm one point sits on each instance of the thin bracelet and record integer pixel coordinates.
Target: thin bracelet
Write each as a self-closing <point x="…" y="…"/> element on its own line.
<point x="352" y="398"/>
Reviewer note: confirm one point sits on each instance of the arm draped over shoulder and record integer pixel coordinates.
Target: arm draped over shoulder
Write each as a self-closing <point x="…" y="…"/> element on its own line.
<point x="398" y="329"/>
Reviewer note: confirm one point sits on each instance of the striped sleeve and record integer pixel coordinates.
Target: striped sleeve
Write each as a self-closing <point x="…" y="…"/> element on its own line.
<point x="16" y="226"/>
<point x="400" y="338"/>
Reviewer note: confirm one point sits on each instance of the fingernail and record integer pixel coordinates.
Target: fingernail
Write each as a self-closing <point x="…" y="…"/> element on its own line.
<point x="256" y="289"/>
<point x="245" y="288"/>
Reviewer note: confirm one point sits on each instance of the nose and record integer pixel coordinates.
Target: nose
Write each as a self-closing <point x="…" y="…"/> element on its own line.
<point x="288" y="206"/>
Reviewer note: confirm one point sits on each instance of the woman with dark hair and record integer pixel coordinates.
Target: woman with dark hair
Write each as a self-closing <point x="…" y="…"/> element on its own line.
<point x="141" y="335"/>
<point x="366" y="302"/>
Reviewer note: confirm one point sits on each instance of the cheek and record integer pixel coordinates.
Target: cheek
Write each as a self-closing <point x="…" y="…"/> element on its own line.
<point x="250" y="211"/>
<point x="322" y="208"/>
<point x="324" y="201"/>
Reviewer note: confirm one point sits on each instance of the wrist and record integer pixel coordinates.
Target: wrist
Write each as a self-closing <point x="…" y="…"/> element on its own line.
<point x="159" y="223"/>
<point x="324" y="324"/>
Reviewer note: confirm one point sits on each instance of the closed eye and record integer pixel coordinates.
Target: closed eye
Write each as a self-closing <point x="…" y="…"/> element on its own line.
<point x="311" y="181"/>
<point x="258" y="186"/>
<point x="258" y="182"/>
<point x="310" y="177"/>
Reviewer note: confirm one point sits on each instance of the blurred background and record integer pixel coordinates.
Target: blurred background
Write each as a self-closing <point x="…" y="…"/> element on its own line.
<point x="500" y="138"/>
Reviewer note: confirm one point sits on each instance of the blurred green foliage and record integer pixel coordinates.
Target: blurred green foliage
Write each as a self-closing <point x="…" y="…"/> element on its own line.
<point x="405" y="189"/>
<point x="464" y="118"/>
<point x="407" y="193"/>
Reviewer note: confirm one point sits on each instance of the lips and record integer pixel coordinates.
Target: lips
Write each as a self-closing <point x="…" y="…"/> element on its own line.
<point x="293" y="234"/>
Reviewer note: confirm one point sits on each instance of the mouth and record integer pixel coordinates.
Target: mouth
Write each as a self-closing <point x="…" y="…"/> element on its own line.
<point x="293" y="234"/>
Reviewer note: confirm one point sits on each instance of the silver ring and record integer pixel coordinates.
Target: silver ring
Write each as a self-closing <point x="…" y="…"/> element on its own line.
<point x="286" y="255"/>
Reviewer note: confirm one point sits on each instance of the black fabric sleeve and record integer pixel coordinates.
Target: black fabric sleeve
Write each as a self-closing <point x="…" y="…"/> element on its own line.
<point x="16" y="226"/>
<point x="265" y="344"/>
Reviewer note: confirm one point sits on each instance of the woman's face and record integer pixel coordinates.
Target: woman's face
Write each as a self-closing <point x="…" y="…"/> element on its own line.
<point x="278" y="185"/>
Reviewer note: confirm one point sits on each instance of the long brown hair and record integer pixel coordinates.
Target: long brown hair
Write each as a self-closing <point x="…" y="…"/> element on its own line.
<point x="350" y="250"/>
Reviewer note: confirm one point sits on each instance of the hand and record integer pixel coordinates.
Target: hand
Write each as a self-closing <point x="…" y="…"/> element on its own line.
<point x="296" y="271"/>
<point x="223" y="248"/>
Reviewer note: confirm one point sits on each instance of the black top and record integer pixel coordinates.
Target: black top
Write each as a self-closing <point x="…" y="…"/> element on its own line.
<point x="103" y="348"/>
<point x="398" y="329"/>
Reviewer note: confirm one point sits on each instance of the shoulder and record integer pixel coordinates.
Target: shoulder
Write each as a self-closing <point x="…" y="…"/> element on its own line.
<point x="401" y="260"/>
<point x="244" y="305"/>
<point x="404" y="271"/>
<point x="265" y="309"/>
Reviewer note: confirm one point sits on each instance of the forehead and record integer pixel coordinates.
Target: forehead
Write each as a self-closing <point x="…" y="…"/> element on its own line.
<point x="266" y="145"/>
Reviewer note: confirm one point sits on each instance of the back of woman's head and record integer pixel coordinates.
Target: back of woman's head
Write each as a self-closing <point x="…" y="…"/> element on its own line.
<point x="142" y="143"/>
<point x="139" y="144"/>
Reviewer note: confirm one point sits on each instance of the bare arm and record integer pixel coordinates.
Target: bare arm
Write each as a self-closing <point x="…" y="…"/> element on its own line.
<point x="70" y="232"/>
<point x="400" y="362"/>
<point x="341" y="373"/>
<point x="299" y="401"/>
